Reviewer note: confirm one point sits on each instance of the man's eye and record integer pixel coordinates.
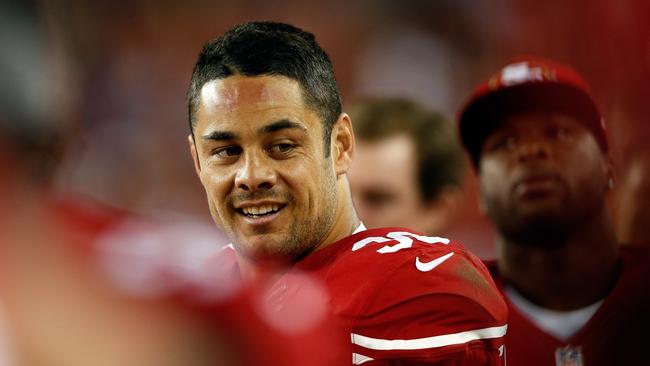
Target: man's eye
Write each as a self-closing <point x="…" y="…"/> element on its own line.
<point x="227" y="152"/>
<point x="283" y="148"/>
<point x="561" y="133"/>
<point x="510" y="143"/>
<point x="377" y="199"/>
<point x="504" y="143"/>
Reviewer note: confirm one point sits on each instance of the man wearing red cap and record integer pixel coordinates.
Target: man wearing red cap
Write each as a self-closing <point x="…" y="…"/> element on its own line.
<point x="540" y="151"/>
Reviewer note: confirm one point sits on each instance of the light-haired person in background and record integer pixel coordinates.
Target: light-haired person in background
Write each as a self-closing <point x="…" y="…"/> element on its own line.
<point x="408" y="166"/>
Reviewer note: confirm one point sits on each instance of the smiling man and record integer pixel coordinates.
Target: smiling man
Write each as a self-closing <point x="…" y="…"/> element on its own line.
<point x="272" y="148"/>
<point x="540" y="150"/>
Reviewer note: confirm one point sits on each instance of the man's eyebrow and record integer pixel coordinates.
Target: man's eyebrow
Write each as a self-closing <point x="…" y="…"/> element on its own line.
<point x="219" y="136"/>
<point x="270" y="128"/>
<point x="281" y="125"/>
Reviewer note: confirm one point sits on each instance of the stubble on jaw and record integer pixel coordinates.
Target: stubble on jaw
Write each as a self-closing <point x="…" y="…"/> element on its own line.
<point x="302" y="237"/>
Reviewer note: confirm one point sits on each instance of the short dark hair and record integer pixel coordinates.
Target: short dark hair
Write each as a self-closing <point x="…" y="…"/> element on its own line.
<point x="440" y="159"/>
<point x="269" y="48"/>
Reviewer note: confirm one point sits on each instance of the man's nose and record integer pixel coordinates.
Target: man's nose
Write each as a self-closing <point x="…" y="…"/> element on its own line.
<point x="533" y="148"/>
<point x="255" y="173"/>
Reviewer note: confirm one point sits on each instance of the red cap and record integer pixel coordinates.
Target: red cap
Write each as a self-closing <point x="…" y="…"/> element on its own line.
<point x="527" y="83"/>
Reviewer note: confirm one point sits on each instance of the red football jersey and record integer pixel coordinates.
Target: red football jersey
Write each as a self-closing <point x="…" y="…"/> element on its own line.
<point x="405" y="298"/>
<point x="612" y="336"/>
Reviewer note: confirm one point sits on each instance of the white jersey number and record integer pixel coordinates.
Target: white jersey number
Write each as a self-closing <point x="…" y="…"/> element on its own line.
<point x="404" y="240"/>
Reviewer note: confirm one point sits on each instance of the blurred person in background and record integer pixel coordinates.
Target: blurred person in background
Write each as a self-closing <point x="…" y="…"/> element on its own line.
<point x="272" y="149"/>
<point x="633" y="192"/>
<point x="539" y="147"/>
<point x="138" y="252"/>
<point x="55" y="307"/>
<point x="408" y="166"/>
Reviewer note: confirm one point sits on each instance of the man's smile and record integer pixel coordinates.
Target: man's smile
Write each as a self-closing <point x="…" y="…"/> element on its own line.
<point x="260" y="210"/>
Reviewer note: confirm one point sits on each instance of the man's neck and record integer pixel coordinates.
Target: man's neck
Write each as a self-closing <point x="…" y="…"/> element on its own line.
<point x="577" y="274"/>
<point x="254" y="272"/>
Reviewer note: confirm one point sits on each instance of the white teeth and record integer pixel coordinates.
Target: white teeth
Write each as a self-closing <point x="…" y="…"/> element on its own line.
<point x="260" y="210"/>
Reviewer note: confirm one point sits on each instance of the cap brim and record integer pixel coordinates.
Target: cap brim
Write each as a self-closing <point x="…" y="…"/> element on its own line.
<point x="485" y="113"/>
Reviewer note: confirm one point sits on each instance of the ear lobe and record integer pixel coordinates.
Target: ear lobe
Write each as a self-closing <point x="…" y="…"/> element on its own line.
<point x="195" y="156"/>
<point x="444" y="208"/>
<point x="342" y="144"/>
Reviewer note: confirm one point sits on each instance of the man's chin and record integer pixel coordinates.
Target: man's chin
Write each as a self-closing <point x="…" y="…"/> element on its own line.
<point x="541" y="209"/>
<point x="265" y="252"/>
<point x="546" y="231"/>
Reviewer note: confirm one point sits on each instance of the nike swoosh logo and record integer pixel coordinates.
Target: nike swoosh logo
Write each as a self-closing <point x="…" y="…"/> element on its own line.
<point x="427" y="266"/>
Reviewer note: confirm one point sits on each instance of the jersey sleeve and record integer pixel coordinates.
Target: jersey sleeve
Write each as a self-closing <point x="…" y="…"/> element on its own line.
<point x="425" y="312"/>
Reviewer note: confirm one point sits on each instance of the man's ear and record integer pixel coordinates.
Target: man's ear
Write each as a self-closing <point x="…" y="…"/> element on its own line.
<point x="342" y="147"/>
<point x="444" y="209"/>
<point x="482" y="205"/>
<point x="195" y="156"/>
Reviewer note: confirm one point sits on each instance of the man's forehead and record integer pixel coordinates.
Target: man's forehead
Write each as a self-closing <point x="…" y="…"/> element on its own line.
<point x="242" y="90"/>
